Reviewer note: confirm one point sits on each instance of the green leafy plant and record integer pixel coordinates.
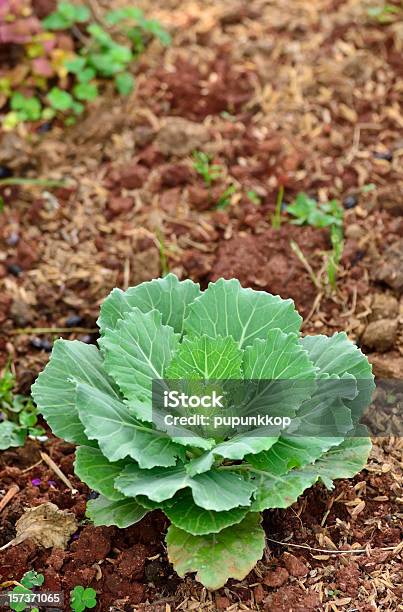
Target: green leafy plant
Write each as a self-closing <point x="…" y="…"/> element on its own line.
<point x="64" y="81"/>
<point x="82" y="598"/>
<point x="383" y="14"/>
<point x="203" y="166"/>
<point x="211" y="483"/>
<point x="253" y="197"/>
<point x="65" y="16"/>
<point x="225" y="198"/>
<point x="30" y="579"/>
<point x="18" y="414"/>
<point x="307" y="211"/>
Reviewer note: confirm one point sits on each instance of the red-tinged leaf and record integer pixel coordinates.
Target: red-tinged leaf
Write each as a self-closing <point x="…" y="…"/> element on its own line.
<point x="42" y="67"/>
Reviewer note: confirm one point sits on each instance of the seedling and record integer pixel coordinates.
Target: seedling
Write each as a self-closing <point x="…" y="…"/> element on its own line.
<point x="212" y="484"/>
<point x="276" y="221"/>
<point x="334" y="257"/>
<point x="383" y="14"/>
<point x="164" y="263"/>
<point x="103" y="53"/>
<point x="17" y="413"/>
<point x="24" y="587"/>
<point x="203" y="166"/>
<point x="307" y="211"/>
<point x="225" y="199"/>
<point x="65" y="16"/>
<point x="368" y="188"/>
<point x="82" y="598"/>
<point x="330" y="214"/>
<point x="254" y="197"/>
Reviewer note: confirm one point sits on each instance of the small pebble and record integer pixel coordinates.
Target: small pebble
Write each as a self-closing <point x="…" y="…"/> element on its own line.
<point x="92" y="495"/>
<point x="46" y="345"/>
<point x="358" y="256"/>
<point x="387" y="155"/>
<point x="350" y="201"/>
<point x="14" y="269"/>
<point x="36" y="343"/>
<point x="41" y="344"/>
<point x="86" y="338"/>
<point x="44" y="127"/>
<point x="12" y="239"/>
<point x="5" y="172"/>
<point x="74" y="321"/>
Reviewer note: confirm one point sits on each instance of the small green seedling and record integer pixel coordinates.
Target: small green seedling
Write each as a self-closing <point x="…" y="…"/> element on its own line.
<point x="66" y="16"/>
<point x="30" y="579"/>
<point x="307" y="211"/>
<point x="18" y="414"/>
<point x="82" y="598"/>
<point x="101" y="53"/>
<point x="164" y="263"/>
<point x="383" y="14"/>
<point x="334" y="257"/>
<point x="225" y="198"/>
<point x="276" y="220"/>
<point x="253" y="197"/>
<point x="368" y="188"/>
<point x="203" y="166"/>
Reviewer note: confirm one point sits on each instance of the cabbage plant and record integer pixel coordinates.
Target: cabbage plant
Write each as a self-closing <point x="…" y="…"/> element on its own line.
<point x="213" y="489"/>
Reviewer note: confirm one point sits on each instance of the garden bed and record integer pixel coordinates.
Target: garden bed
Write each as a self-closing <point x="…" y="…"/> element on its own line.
<point x="304" y="97"/>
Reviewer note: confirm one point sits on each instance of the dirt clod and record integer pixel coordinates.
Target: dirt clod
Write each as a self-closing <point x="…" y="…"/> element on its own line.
<point x="118" y="205"/>
<point x="295" y="565"/>
<point x="180" y="137"/>
<point x="276" y="578"/>
<point x="130" y="562"/>
<point x="222" y="603"/>
<point x="390" y="270"/>
<point x="384" y="306"/>
<point x="93" y="544"/>
<point x="380" y="335"/>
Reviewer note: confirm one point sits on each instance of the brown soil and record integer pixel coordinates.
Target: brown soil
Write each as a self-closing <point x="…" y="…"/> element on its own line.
<point x="303" y="95"/>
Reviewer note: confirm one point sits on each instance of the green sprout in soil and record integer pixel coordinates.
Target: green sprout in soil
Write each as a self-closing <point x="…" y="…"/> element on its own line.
<point x="253" y="197"/>
<point x="17" y="413"/>
<point x="164" y="263"/>
<point x="203" y="166"/>
<point x="225" y="198"/>
<point x="383" y="14"/>
<point x="24" y="587"/>
<point x="64" y="81"/>
<point x="307" y="211"/>
<point x="168" y="336"/>
<point x="276" y="220"/>
<point x="334" y="257"/>
<point x="82" y="598"/>
<point x="47" y="183"/>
